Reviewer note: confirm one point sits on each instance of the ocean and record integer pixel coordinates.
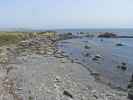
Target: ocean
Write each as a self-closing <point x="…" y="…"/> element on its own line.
<point x="121" y="31"/>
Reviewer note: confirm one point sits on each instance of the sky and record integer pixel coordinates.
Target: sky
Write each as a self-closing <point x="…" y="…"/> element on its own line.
<point x="56" y="14"/>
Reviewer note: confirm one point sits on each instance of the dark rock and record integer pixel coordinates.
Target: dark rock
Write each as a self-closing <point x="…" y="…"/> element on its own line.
<point x="72" y="61"/>
<point x="66" y="36"/>
<point x="87" y="47"/>
<point x="97" y="57"/>
<point x="118" y="66"/>
<point x="123" y="63"/>
<point x="119" y="44"/>
<point x="96" y="75"/>
<point x="59" y="55"/>
<point x="132" y="77"/>
<point x="108" y="35"/>
<point x="81" y="33"/>
<point x="130" y="88"/>
<point x="123" y="68"/>
<point x="66" y="93"/>
<point x="130" y="94"/>
<point x="87" y="54"/>
<point x="69" y="33"/>
<point x="130" y="85"/>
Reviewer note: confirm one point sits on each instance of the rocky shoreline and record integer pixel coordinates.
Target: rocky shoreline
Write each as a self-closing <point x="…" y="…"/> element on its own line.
<point x="35" y="69"/>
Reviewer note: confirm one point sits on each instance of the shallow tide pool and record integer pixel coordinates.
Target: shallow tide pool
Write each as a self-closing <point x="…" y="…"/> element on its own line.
<point x="111" y="57"/>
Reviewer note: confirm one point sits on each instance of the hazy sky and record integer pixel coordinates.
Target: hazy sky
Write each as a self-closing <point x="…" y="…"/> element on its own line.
<point x="66" y="13"/>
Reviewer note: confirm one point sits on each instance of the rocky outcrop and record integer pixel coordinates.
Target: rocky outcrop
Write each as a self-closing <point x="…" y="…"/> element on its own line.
<point x="65" y="36"/>
<point x="107" y="35"/>
<point x="38" y="46"/>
